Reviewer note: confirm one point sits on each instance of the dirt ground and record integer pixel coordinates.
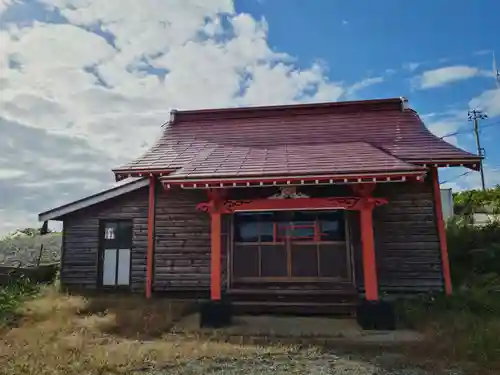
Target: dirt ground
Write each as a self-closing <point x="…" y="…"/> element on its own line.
<point x="307" y="362"/>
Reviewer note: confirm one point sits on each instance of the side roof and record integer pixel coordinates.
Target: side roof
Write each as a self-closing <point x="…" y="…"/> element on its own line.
<point x="213" y="140"/>
<point x="58" y="212"/>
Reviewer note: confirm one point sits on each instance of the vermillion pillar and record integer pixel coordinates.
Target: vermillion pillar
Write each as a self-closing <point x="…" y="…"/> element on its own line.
<point x="215" y="257"/>
<point x="151" y="231"/>
<point x="369" y="259"/>
<point x="441" y="231"/>
<point x="367" y="239"/>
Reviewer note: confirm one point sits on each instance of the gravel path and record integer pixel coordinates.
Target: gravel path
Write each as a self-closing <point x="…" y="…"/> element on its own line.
<point x="300" y="363"/>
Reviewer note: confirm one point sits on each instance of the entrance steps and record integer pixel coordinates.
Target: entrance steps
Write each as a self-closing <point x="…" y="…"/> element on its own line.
<point x="303" y="301"/>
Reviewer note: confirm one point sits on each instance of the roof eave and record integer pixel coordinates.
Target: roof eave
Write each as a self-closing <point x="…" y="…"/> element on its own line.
<point x="207" y="181"/>
<point x="59" y="212"/>
<point x="472" y="162"/>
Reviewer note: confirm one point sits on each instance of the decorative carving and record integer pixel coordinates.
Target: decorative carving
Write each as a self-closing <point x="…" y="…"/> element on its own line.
<point x="379" y="201"/>
<point x="204" y="207"/>
<point x="230" y="205"/>
<point x="288" y="192"/>
<point x="363" y="190"/>
<point x="345" y="202"/>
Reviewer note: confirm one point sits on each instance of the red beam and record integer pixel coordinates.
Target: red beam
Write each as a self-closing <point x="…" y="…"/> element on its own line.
<point x="331" y="203"/>
<point x="215" y="257"/>
<point x="151" y="226"/>
<point x="441" y="231"/>
<point x="369" y="261"/>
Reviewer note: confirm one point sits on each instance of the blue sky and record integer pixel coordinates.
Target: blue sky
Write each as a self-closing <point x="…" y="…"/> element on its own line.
<point x="399" y="42"/>
<point x="87" y="84"/>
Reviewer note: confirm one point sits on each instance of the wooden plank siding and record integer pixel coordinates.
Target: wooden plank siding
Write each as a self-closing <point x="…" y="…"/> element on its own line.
<point x="182" y="246"/>
<point x="407" y="244"/>
<point x="406" y="239"/>
<point x="80" y="263"/>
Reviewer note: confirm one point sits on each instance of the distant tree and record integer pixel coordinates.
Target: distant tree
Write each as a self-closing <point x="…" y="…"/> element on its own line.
<point x="31" y="231"/>
<point x="469" y="201"/>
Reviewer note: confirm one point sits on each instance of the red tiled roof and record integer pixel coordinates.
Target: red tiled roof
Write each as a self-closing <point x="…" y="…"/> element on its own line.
<point x="331" y="158"/>
<point x="314" y="138"/>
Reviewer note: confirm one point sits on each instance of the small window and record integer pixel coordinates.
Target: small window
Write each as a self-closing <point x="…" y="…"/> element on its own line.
<point x="115" y="253"/>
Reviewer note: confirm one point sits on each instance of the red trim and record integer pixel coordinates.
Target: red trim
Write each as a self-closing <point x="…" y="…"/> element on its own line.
<point x="285" y="180"/>
<point x="123" y="174"/>
<point x="215" y="257"/>
<point x="369" y="261"/>
<point x="331" y="203"/>
<point x="442" y="232"/>
<point x="468" y="163"/>
<point x="151" y="225"/>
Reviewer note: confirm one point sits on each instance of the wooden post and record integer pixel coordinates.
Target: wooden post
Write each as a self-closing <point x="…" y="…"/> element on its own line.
<point x="369" y="260"/>
<point x="441" y="232"/>
<point x="215" y="258"/>
<point x="367" y="239"/>
<point x="151" y="229"/>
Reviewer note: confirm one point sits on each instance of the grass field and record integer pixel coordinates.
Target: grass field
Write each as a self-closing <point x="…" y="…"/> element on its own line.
<point x="55" y="333"/>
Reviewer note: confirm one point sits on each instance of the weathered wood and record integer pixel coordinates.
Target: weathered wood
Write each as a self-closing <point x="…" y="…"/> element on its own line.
<point x="407" y="249"/>
<point x="182" y="246"/>
<point x="407" y="246"/>
<point x="81" y="240"/>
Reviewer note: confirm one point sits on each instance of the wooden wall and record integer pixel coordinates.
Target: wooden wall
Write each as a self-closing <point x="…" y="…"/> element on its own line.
<point x="182" y="247"/>
<point x="79" y="263"/>
<point x="407" y="244"/>
<point x="406" y="239"/>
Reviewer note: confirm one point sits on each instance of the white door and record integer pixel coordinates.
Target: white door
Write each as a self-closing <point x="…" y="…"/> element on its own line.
<point x="109" y="267"/>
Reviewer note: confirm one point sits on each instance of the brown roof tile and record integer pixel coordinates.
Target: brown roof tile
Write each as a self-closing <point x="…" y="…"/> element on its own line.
<point x="332" y="158"/>
<point x="340" y="137"/>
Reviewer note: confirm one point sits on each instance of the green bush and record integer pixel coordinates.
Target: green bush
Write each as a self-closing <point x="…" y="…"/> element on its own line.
<point x="11" y="296"/>
<point x="462" y="327"/>
<point x="26" y="248"/>
<point x="474" y="253"/>
<point x="466" y="325"/>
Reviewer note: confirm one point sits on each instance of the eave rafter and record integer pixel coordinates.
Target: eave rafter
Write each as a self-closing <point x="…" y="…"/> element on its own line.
<point x="211" y="183"/>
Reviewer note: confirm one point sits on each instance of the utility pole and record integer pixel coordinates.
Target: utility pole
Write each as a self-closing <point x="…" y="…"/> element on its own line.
<point x="475" y="115"/>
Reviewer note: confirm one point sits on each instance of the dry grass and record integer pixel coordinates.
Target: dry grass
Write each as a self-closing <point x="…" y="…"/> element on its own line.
<point x="64" y="334"/>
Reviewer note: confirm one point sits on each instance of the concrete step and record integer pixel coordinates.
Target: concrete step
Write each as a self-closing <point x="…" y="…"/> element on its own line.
<point x="294" y="308"/>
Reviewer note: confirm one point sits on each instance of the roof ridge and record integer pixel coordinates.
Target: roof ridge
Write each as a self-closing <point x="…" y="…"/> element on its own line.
<point x="291" y="109"/>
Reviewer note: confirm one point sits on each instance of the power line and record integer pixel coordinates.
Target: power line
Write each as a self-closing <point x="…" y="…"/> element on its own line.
<point x="476" y="115"/>
<point x="455" y="178"/>
<point x="455" y="133"/>
<point x="463" y="131"/>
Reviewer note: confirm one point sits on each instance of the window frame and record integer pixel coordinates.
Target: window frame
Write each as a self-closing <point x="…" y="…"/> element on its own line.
<point x="288" y="242"/>
<point x="120" y="244"/>
<point x="289" y="226"/>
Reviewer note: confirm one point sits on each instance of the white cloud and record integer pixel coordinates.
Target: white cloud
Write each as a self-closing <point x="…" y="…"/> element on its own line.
<point x="452" y="126"/>
<point x="358" y="86"/>
<point x="86" y="95"/>
<point x="4" y="4"/>
<point x="412" y="66"/>
<point x="488" y="101"/>
<point x="482" y="52"/>
<point x="473" y="179"/>
<point x="459" y="179"/>
<point x="443" y="76"/>
<point x="6" y="173"/>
